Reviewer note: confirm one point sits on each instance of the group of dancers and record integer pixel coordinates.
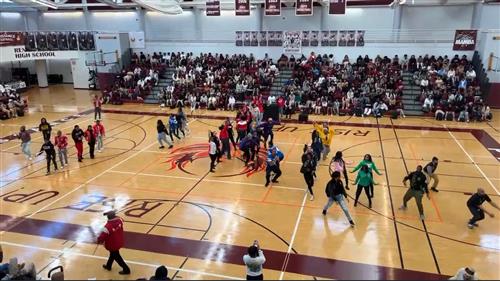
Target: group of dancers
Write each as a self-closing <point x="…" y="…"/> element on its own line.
<point x="94" y="135"/>
<point x="176" y="125"/>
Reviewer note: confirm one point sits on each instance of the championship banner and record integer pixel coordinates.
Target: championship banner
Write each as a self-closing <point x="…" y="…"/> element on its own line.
<point x="254" y="38"/>
<point x="272" y="7"/>
<point x="332" y="39"/>
<point x="136" y="40"/>
<point x="337" y="7"/>
<point x="212" y="8"/>
<point x="246" y="38"/>
<point x="292" y="42"/>
<point x="263" y="38"/>
<point x="11" y="39"/>
<point x="351" y="38"/>
<point x="305" y="38"/>
<point x="314" y="38"/>
<point x="465" y="40"/>
<point x="19" y="53"/>
<point x="324" y="38"/>
<point x="304" y="8"/>
<point x="239" y="38"/>
<point x="242" y="7"/>
<point x="360" y="38"/>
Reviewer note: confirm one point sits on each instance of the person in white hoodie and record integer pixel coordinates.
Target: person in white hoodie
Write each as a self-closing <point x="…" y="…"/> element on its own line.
<point x="254" y="261"/>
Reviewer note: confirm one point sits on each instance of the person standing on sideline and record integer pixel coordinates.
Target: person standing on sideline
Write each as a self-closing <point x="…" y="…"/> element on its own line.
<point x="100" y="134"/>
<point x="418" y="186"/>
<point x="212" y="152"/>
<point x="363" y="180"/>
<point x="474" y="204"/>
<point x="339" y="165"/>
<point x="25" y="138"/>
<point x="308" y="168"/>
<point x="367" y="161"/>
<point x="90" y="137"/>
<point x="50" y="154"/>
<point x="97" y="102"/>
<point x="162" y="134"/>
<point x="336" y="193"/>
<point x="273" y="165"/>
<point x="326" y="136"/>
<point x="254" y="261"/>
<point x="430" y="173"/>
<point x="61" y="141"/>
<point x="113" y="239"/>
<point x="77" y="135"/>
<point x="45" y="128"/>
<point x="224" y="138"/>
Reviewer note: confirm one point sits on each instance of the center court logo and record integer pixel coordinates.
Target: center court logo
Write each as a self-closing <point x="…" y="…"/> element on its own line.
<point x="182" y="158"/>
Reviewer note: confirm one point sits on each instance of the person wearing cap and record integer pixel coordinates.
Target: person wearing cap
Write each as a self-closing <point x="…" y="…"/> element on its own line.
<point x="466" y="273"/>
<point x="112" y="237"/>
<point x="161" y="273"/>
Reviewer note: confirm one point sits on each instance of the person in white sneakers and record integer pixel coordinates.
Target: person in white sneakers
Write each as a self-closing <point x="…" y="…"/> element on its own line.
<point x="25" y="137"/>
<point x="100" y="133"/>
<point x="61" y="141"/>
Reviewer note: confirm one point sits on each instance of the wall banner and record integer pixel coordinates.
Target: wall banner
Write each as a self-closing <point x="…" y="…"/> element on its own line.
<point x="11" y="39"/>
<point x="272" y="7"/>
<point x="212" y="8"/>
<point x="19" y="53"/>
<point x="242" y="7"/>
<point x="337" y="7"/>
<point x="292" y="42"/>
<point x="465" y="40"/>
<point x="304" y="8"/>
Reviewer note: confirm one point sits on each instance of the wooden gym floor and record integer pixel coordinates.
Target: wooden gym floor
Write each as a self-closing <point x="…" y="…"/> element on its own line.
<point x="199" y="224"/>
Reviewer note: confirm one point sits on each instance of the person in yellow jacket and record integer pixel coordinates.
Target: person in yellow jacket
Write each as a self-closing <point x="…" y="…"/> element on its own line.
<point x="326" y="135"/>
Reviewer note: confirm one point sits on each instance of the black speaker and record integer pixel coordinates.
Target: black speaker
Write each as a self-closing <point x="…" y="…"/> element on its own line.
<point x="303" y="117"/>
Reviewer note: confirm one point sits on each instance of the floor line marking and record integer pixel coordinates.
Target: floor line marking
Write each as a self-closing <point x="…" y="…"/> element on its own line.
<point x="86" y="182"/>
<point x="472" y="160"/>
<point x="204" y="180"/>
<point x="294" y="233"/>
<point x="128" y="261"/>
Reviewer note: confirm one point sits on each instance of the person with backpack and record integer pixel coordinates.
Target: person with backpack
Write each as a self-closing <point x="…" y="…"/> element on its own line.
<point x="77" y="135"/>
<point x="418" y="186"/>
<point x="308" y="168"/>
<point x="336" y="193"/>
<point x="50" y="153"/>
<point x="364" y="180"/>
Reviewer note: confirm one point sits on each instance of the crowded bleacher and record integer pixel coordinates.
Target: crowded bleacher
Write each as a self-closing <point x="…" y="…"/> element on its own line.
<point x="12" y="105"/>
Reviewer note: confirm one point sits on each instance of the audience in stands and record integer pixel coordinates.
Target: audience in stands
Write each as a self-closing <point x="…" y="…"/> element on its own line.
<point x="450" y="89"/>
<point x="12" y="104"/>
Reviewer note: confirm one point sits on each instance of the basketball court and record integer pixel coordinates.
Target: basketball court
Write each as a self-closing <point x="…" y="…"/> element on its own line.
<point x="199" y="224"/>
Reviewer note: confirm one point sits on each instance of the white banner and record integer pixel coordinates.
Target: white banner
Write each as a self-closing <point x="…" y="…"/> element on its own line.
<point x="292" y="42"/>
<point x="136" y="40"/>
<point x="18" y="53"/>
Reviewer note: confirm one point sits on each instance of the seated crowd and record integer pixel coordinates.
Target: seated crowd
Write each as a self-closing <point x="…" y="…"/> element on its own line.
<point x="11" y="103"/>
<point x="364" y="87"/>
<point x="136" y="81"/>
<point x="449" y="88"/>
<point x="216" y="81"/>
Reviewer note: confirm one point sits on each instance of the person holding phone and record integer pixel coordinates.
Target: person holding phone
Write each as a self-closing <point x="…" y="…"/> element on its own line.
<point x="254" y="261"/>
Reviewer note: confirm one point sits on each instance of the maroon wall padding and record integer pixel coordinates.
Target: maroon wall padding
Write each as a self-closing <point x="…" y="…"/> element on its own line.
<point x="106" y="80"/>
<point x="493" y="99"/>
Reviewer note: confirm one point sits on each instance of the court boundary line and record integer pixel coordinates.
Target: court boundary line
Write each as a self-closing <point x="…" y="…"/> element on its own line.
<point x="472" y="160"/>
<point x="436" y="263"/>
<point x="390" y="198"/>
<point x="74" y="253"/>
<point x="292" y="240"/>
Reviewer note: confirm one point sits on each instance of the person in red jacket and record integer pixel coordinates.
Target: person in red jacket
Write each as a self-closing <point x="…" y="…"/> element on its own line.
<point x="61" y="141"/>
<point x="100" y="133"/>
<point x="90" y="136"/>
<point x="112" y="237"/>
<point x="224" y="138"/>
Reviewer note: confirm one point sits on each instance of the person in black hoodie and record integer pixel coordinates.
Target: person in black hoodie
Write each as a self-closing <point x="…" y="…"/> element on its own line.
<point x="336" y="193"/>
<point x="77" y="134"/>
<point x="50" y="152"/>
<point x="45" y="128"/>
<point x="91" y="139"/>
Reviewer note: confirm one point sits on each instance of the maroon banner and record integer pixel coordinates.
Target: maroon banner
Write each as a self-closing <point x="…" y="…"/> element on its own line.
<point x="304" y="8"/>
<point x="272" y="7"/>
<point x="242" y="7"/>
<point x="11" y="39"/>
<point x="212" y="8"/>
<point x="465" y="40"/>
<point x="337" y="7"/>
